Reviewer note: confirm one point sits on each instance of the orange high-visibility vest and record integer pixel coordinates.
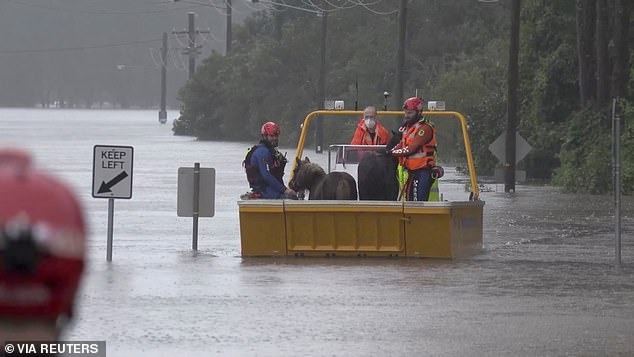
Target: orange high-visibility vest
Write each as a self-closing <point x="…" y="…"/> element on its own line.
<point x="424" y="158"/>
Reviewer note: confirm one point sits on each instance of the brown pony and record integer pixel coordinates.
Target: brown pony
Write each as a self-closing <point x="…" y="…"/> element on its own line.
<point x="333" y="186"/>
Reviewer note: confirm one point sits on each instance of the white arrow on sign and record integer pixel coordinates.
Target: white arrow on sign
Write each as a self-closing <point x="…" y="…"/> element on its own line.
<point x="498" y="147"/>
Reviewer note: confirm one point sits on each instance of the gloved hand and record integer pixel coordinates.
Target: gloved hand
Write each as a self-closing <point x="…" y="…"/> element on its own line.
<point x="396" y="138"/>
<point x="437" y="172"/>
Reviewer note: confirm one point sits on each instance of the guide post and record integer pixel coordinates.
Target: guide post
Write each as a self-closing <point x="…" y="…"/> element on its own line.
<point x="112" y="178"/>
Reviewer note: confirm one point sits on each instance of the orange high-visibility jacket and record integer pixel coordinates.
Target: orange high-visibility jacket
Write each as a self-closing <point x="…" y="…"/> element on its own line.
<point x="362" y="135"/>
<point x="417" y="147"/>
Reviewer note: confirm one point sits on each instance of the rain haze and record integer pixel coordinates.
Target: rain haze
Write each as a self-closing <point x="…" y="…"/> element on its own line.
<point x="101" y="53"/>
<point x="75" y="74"/>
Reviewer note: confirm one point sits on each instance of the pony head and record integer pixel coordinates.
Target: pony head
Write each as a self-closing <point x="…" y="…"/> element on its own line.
<point x="305" y="175"/>
<point x="294" y="183"/>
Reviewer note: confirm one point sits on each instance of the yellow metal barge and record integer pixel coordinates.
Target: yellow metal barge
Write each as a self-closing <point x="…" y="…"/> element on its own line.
<point x="364" y="228"/>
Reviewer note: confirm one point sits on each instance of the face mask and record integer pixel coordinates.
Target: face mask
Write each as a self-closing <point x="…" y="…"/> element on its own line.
<point x="370" y="123"/>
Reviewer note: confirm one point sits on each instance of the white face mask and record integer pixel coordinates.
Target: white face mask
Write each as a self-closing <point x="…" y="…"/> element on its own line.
<point x="369" y="123"/>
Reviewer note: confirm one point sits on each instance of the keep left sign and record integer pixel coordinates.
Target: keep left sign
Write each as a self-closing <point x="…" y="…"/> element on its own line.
<point x="112" y="171"/>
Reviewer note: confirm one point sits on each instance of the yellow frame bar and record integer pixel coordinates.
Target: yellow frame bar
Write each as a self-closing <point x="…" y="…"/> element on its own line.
<point x="460" y="117"/>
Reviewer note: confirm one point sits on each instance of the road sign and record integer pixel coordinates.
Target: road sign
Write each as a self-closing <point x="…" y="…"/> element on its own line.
<point x="498" y="148"/>
<point x="112" y="171"/>
<point x="206" y="192"/>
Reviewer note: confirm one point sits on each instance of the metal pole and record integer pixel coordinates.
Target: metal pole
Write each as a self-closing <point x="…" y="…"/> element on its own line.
<point x="163" y="112"/>
<point x="616" y="143"/>
<point x="386" y="94"/>
<point x="196" y="205"/>
<point x="110" y="225"/>
<point x="356" y="97"/>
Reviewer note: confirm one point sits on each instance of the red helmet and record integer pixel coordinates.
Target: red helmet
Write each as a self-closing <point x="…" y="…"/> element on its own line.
<point x="14" y="156"/>
<point x="42" y="241"/>
<point x="270" y="128"/>
<point x="413" y="103"/>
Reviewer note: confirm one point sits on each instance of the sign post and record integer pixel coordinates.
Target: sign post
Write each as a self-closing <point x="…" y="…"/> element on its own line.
<point x="196" y="195"/>
<point x="196" y="205"/>
<point x="616" y="181"/>
<point x="498" y="148"/>
<point x="112" y="178"/>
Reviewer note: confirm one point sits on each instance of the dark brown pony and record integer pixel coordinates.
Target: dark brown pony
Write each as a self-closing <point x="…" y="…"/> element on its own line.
<point x="333" y="186"/>
<point x="377" y="174"/>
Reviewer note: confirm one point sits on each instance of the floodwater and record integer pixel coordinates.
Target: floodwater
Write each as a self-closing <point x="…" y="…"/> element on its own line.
<point x="544" y="285"/>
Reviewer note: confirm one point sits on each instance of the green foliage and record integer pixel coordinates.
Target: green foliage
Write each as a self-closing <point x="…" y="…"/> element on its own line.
<point x="474" y="86"/>
<point x="585" y="155"/>
<point x="548" y="88"/>
<point x="272" y="73"/>
<point x="457" y="51"/>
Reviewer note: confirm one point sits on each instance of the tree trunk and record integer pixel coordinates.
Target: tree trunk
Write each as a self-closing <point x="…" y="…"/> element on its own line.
<point x="585" y="12"/>
<point x="619" y="48"/>
<point x="603" y="64"/>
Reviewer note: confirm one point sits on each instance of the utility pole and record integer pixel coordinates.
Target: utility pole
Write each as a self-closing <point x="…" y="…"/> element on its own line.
<point x="321" y="90"/>
<point x="192" y="49"/>
<point x="228" y="31"/>
<point x="163" y="112"/>
<point x="400" y="54"/>
<point x="513" y="74"/>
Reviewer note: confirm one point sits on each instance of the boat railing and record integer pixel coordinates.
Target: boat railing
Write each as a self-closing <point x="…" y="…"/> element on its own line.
<point x="347" y="154"/>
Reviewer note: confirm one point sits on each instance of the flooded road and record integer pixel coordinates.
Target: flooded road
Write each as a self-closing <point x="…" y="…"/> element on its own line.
<point x="544" y="284"/>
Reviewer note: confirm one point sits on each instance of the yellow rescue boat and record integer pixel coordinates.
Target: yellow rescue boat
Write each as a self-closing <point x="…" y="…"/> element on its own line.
<point x="443" y="229"/>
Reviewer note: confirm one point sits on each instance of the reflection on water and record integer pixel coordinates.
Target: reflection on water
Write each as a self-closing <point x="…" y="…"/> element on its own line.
<point x="543" y="285"/>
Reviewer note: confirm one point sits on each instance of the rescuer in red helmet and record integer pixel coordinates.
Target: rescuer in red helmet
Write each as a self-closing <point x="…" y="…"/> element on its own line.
<point x="264" y="166"/>
<point x="416" y="151"/>
<point x="42" y="250"/>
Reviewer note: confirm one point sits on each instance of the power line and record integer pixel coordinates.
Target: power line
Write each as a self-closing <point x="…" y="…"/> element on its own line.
<point x="108" y="12"/>
<point x="310" y="6"/>
<point x="65" y="49"/>
<point x="202" y="4"/>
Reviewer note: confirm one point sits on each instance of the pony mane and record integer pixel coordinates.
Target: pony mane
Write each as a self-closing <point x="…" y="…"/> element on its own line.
<point x="307" y="174"/>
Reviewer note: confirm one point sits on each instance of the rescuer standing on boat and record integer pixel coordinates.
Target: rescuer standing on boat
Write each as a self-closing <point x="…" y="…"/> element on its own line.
<point x="416" y="151"/>
<point x="370" y="131"/>
<point x="264" y="166"/>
